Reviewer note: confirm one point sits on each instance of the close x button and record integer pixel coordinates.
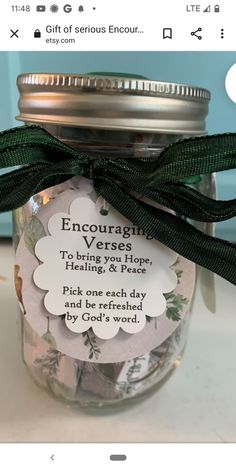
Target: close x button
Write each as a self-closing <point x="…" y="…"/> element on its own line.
<point x="14" y="33"/>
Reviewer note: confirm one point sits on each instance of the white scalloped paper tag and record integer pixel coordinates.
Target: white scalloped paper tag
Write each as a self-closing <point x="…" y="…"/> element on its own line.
<point x="101" y="272"/>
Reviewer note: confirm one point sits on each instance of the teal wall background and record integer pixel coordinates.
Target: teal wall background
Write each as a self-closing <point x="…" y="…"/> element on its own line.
<point x="206" y="69"/>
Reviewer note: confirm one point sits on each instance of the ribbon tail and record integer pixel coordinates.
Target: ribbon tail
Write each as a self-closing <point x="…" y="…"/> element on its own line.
<point x="214" y="254"/>
<point x="18" y="186"/>
<point x="194" y="156"/>
<point x="190" y="203"/>
<point x="26" y="145"/>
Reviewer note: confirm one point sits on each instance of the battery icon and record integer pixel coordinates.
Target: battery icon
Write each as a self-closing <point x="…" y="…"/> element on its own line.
<point x="41" y="8"/>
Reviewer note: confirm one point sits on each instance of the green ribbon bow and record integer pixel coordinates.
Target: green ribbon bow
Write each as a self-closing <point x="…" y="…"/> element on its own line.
<point x="49" y="162"/>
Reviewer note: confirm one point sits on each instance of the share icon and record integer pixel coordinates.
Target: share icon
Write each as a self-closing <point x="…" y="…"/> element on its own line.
<point x="194" y="33"/>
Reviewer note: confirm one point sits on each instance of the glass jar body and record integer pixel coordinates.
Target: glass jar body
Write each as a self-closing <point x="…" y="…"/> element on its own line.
<point x="92" y="383"/>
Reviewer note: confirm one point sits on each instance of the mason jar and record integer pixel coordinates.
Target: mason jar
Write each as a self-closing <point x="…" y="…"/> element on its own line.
<point x="117" y="117"/>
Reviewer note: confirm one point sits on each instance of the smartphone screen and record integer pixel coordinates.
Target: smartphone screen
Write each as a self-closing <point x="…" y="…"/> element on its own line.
<point x="117" y="235"/>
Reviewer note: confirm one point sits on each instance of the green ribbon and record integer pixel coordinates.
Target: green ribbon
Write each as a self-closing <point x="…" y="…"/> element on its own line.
<point x="48" y="162"/>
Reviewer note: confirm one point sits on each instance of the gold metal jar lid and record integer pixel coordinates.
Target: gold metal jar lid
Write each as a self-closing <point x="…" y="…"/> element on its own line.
<point x="113" y="102"/>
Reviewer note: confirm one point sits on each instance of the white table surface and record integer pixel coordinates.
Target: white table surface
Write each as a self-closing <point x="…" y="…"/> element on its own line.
<point x="197" y="404"/>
